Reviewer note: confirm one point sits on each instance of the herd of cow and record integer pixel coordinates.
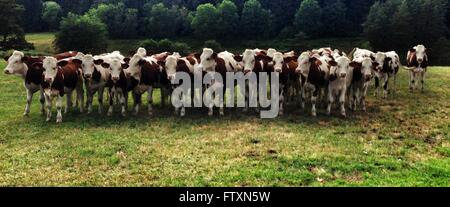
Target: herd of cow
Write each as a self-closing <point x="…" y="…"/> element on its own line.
<point x="318" y="75"/>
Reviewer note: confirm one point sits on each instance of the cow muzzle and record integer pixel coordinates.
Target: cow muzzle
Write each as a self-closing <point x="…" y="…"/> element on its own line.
<point x="367" y="77"/>
<point x="115" y="78"/>
<point x="48" y="80"/>
<point x="278" y="70"/>
<point x="88" y="76"/>
<point x="247" y="71"/>
<point x="7" y="72"/>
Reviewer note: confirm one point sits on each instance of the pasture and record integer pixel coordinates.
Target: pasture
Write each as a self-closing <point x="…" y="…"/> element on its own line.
<point x="401" y="141"/>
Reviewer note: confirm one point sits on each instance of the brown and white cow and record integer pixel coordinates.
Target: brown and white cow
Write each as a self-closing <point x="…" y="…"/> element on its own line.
<point x="60" y="78"/>
<point x="289" y="79"/>
<point x="360" y="76"/>
<point x="388" y="65"/>
<point x="119" y="85"/>
<point x="21" y="65"/>
<point x="337" y="86"/>
<point x="417" y="64"/>
<point x="315" y="71"/>
<point x="189" y="65"/>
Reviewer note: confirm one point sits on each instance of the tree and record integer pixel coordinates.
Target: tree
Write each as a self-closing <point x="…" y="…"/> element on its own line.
<point x="77" y="7"/>
<point x="161" y="22"/>
<point x="402" y="25"/>
<point x="205" y="21"/>
<point x="121" y="22"/>
<point x="31" y="18"/>
<point x="308" y="18"/>
<point x="11" y="33"/>
<point x="335" y="19"/>
<point x="51" y="15"/>
<point x="283" y="13"/>
<point x="228" y="19"/>
<point x="255" y="20"/>
<point x="82" y="33"/>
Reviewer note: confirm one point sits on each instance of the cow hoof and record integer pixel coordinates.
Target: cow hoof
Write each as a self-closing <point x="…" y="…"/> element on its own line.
<point x="344" y="115"/>
<point x="150" y="113"/>
<point x="26" y="115"/>
<point x="210" y="113"/>
<point x="280" y="114"/>
<point x="109" y="114"/>
<point x="314" y="114"/>
<point x="124" y="114"/>
<point x="222" y="113"/>
<point x="59" y="120"/>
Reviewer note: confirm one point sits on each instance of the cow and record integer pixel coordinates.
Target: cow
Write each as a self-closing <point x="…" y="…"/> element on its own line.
<point x="21" y="65"/>
<point x="175" y="64"/>
<point x="388" y="65"/>
<point x="315" y="71"/>
<point x="144" y="74"/>
<point x="417" y="64"/>
<point x="360" y="76"/>
<point x="358" y="53"/>
<point x="289" y="78"/>
<point x="218" y="64"/>
<point x="60" y="78"/>
<point x="119" y="85"/>
<point x="337" y="86"/>
<point x="96" y="72"/>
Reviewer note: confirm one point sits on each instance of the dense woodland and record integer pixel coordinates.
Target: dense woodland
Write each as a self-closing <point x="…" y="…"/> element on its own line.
<point x="386" y="24"/>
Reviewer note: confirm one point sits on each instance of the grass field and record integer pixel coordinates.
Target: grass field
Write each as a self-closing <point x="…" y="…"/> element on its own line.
<point x="402" y="141"/>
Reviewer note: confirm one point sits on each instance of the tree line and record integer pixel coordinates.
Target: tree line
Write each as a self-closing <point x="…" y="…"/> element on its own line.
<point x="387" y="24"/>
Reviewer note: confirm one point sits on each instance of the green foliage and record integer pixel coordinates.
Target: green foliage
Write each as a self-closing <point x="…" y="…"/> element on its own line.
<point x="165" y="45"/>
<point x="335" y="20"/>
<point x="228" y="20"/>
<point x="121" y="22"/>
<point x="308" y="18"/>
<point x="255" y="20"/>
<point x="12" y="35"/>
<point x="82" y="33"/>
<point x="31" y="18"/>
<point x="213" y="44"/>
<point x="205" y="21"/>
<point x="160" y="21"/>
<point x="51" y="15"/>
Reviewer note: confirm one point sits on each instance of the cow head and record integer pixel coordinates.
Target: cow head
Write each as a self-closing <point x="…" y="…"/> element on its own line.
<point x="16" y="64"/>
<point x="171" y="66"/>
<point x="142" y="52"/>
<point x="88" y="64"/>
<point x="340" y="67"/>
<point x="366" y="65"/>
<point x="279" y="60"/>
<point x="421" y="53"/>
<point x="135" y="66"/>
<point x="304" y="62"/>
<point x="51" y="67"/>
<point x="271" y="52"/>
<point x="116" y="67"/>
<point x="383" y="62"/>
<point x="208" y="60"/>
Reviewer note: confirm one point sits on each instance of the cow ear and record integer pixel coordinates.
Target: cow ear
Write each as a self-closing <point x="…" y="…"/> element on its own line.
<point x="77" y="61"/>
<point x="375" y="64"/>
<point x="238" y="58"/>
<point x="98" y="62"/>
<point x="105" y="65"/>
<point x="388" y="59"/>
<point x="288" y="59"/>
<point x="333" y="63"/>
<point x="63" y="63"/>
<point x="412" y="50"/>
<point x="37" y="65"/>
<point x="355" y="64"/>
<point x="125" y="65"/>
<point x="127" y="60"/>
<point x="24" y="59"/>
<point x="6" y="58"/>
<point x="181" y="62"/>
<point x="372" y="57"/>
<point x="197" y="56"/>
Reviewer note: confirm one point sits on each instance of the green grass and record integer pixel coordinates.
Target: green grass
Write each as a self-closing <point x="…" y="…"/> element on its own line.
<point x="402" y="141"/>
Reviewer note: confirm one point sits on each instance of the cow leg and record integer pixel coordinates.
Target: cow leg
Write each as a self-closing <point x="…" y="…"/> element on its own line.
<point x="111" y="102"/>
<point x="48" y="104"/>
<point x="221" y="102"/>
<point x="68" y="102"/>
<point x="59" y="101"/>
<point x="363" y="98"/>
<point x="28" y="105"/>
<point x="137" y="102"/>
<point x="80" y="97"/>
<point x="183" y="108"/>
<point x="42" y="101"/>
<point x="330" y="101"/>
<point x="314" y="96"/>
<point x="385" y="85"/>
<point x="101" y="90"/>
<point x="342" y="102"/>
<point x="150" y="100"/>
<point x="123" y="103"/>
<point x="377" y="84"/>
<point x="90" y="98"/>
<point x="422" y="80"/>
<point x="282" y="102"/>
<point x="303" y="98"/>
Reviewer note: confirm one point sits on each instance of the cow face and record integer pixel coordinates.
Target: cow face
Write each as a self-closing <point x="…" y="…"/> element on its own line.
<point x="88" y="64"/>
<point x="341" y="67"/>
<point x="421" y="53"/>
<point x="208" y="60"/>
<point x="249" y="60"/>
<point x="304" y="63"/>
<point x="278" y="62"/>
<point x="51" y="66"/>
<point x="135" y="66"/>
<point x="16" y="64"/>
<point x="116" y="68"/>
<point x="171" y="66"/>
<point x="271" y="52"/>
<point x="383" y="62"/>
<point x="367" y="67"/>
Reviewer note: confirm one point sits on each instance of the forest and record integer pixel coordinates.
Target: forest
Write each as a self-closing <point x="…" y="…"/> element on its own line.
<point x="385" y="25"/>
